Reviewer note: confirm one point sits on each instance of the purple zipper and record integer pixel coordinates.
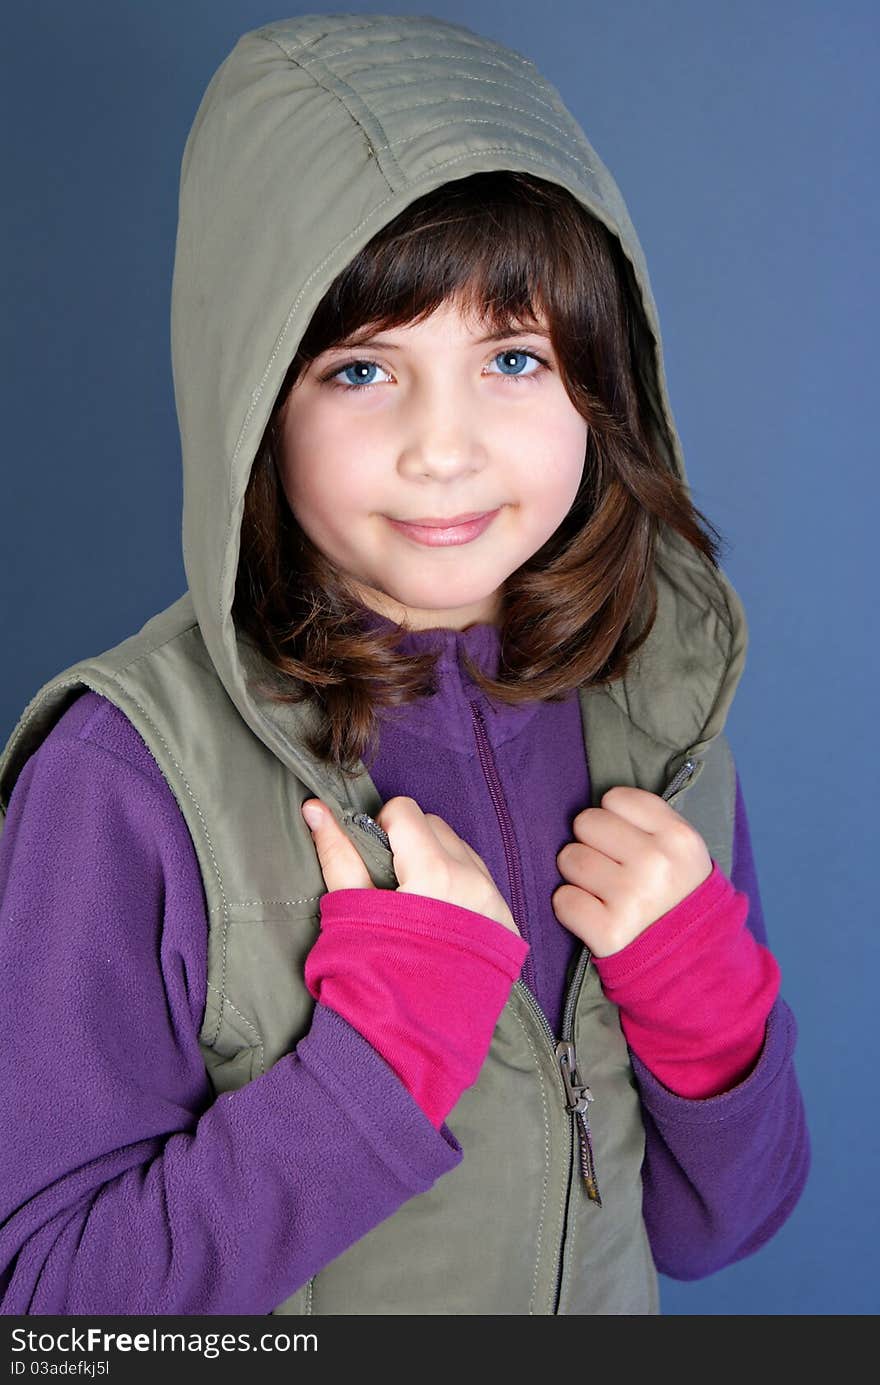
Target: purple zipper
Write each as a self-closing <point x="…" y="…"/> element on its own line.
<point x="508" y="836"/>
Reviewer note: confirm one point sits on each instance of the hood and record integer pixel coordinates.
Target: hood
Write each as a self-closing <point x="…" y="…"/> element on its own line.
<point x="314" y="133"/>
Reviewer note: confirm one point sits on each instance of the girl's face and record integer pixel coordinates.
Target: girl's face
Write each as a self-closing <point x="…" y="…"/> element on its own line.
<point x="435" y="421"/>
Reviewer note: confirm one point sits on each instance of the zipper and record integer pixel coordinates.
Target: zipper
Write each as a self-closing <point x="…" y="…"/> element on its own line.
<point x="578" y="1097"/>
<point x="508" y="837"/>
<point x="577" y="1094"/>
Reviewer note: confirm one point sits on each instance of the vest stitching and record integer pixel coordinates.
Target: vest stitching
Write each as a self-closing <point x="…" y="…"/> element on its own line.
<point x="290" y="47"/>
<point x="463" y="77"/>
<point x="550" y="154"/>
<point x="73" y="682"/>
<point x="568" y="137"/>
<point x="253" y="1027"/>
<point x="35" y="703"/>
<point x="439" y="124"/>
<point x="728" y="800"/>
<point x="246" y="903"/>
<point x="222" y="993"/>
<point x="348" y="97"/>
<point x="32" y="706"/>
<point x="455" y="57"/>
<point x="299" y="43"/>
<point x="170" y="639"/>
<point x="40" y="697"/>
<point x="538" y="1069"/>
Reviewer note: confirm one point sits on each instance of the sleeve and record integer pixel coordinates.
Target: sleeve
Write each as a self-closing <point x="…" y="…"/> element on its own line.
<point x="424" y="981"/>
<point x="116" y="1137"/>
<point x="721" y="1174"/>
<point x="694" y="990"/>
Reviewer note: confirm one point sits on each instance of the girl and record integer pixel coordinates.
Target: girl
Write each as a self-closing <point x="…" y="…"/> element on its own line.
<point x="497" y="1029"/>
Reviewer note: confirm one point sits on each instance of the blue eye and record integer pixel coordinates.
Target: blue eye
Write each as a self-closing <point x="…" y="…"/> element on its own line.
<point x="524" y="355"/>
<point x="358" y="382"/>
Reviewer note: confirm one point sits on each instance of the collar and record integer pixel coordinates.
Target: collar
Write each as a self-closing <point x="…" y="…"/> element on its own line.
<point x="447" y="715"/>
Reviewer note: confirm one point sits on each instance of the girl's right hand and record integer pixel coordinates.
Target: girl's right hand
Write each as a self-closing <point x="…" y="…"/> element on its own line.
<point x="430" y="859"/>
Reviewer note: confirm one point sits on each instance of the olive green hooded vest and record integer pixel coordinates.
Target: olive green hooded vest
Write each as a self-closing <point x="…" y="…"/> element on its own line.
<point x="313" y="133"/>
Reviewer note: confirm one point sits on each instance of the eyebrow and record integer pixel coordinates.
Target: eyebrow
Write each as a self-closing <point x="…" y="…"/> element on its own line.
<point x="364" y="339"/>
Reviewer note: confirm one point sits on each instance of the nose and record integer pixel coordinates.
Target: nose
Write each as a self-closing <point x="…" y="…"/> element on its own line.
<point x="443" y="438"/>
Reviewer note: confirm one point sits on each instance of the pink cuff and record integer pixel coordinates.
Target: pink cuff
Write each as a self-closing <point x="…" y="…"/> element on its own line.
<point x="423" y="981"/>
<point x="694" y="991"/>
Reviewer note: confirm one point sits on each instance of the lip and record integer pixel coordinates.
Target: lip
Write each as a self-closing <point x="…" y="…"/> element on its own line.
<point x="444" y="533"/>
<point x="451" y="523"/>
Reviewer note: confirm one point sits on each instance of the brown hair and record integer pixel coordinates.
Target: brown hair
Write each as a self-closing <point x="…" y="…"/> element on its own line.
<point x="506" y="247"/>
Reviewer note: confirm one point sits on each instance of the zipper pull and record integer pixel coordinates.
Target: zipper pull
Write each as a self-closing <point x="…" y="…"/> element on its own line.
<point x="577" y="1099"/>
<point x="368" y="824"/>
<point x="679" y="778"/>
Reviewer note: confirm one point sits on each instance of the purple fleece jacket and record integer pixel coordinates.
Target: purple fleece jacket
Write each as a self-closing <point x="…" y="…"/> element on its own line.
<point x="117" y="1141"/>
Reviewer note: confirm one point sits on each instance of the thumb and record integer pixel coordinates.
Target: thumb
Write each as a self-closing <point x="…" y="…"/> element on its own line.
<point x="340" y="861"/>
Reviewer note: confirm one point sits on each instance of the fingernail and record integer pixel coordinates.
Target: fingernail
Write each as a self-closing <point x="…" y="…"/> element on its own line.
<point x="312" y="814"/>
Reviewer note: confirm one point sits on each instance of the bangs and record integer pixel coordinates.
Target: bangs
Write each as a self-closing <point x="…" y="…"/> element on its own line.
<point x="476" y="241"/>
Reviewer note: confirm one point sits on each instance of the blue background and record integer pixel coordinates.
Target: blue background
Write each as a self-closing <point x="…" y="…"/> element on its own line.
<point x="744" y="141"/>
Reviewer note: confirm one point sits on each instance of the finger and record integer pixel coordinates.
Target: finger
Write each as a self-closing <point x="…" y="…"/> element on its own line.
<point x="608" y="832"/>
<point x="406" y="826"/>
<point x="642" y="809"/>
<point x="581" y="914"/>
<point x="592" y="871"/>
<point x="340" y="861"/>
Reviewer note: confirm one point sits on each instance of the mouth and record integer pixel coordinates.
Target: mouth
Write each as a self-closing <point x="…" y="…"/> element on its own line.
<point x="443" y="533"/>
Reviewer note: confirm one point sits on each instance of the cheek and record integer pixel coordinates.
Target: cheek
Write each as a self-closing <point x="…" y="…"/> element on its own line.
<point x="552" y="457"/>
<point x="322" y="472"/>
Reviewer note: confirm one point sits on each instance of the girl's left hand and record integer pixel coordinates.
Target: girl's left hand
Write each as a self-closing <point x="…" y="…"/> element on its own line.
<point x="634" y="859"/>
